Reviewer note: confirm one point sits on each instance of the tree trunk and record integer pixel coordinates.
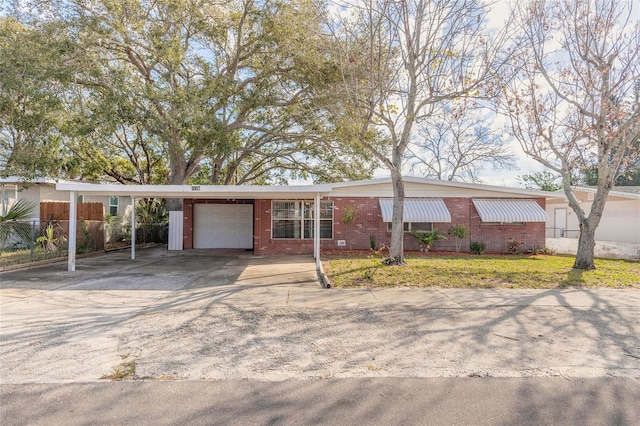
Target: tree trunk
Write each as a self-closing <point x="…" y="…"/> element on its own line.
<point x="588" y="225"/>
<point x="181" y="169"/>
<point x="178" y="177"/>
<point x="586" y="244"/>
<point x="396" y="249"/>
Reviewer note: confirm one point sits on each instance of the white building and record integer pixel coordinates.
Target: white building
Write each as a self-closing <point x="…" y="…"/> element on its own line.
<point x="40" y="190"/>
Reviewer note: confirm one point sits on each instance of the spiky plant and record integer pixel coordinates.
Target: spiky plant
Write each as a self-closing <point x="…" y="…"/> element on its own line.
<point x="13" y="222"/>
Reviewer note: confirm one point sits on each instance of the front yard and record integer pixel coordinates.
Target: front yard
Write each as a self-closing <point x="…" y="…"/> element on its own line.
<point x="473" y="271"/>
<point x="19" y="256"/>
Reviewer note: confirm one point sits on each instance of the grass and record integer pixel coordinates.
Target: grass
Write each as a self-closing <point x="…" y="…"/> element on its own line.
<point x="16" y="257"/>
<point x="126" y="370"/>
<point x="472" y="271"/>
<point x="20" y="256"/>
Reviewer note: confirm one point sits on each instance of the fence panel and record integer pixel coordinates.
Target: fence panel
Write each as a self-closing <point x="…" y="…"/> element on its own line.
<point x="59" y="210"/>
<point x="25" y="242"/>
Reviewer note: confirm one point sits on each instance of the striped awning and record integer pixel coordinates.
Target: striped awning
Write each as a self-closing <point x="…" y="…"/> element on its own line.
<point x="417" y="210"/>
<point x="510" y="211"/>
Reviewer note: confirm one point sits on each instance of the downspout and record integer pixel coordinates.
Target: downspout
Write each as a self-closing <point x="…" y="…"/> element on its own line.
<point x="316" y="232"/>
<point x="73" y="214"/>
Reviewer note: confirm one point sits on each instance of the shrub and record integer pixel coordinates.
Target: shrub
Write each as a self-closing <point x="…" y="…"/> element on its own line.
<point x="51" y="239"/>
<point x="460" y="232"/>
<point x="542" y="250"/>
<point x="14" y="222"/>
<point x="514" y="246"/>
<point x="372" y="242"/>
<point x="349" y="215"/>
<point x="477" y="247"/>
<point x="427" y="238"/>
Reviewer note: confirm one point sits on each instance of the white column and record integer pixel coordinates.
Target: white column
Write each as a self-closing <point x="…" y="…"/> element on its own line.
<point x="73" y="214"/>
<point x="316" y="233"/>
<point x="133" y="228"/>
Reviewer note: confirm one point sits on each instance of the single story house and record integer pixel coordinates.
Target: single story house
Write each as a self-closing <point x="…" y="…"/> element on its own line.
<point x="620" y="220"/>
<point x="299" y="219"/>
<point x="42" y="190"/>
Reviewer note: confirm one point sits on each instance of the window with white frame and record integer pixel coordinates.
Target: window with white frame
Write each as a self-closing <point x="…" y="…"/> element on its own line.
<point x="5" y="202"/>
<point x="113" y="205"/>
<point x="295" y="219"/>
<point x="413" y="226"/>
<point x="80" y="199"/>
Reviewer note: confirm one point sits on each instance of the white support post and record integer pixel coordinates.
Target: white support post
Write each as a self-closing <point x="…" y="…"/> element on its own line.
<point x="133" y="228"/>
<point x="73" y="214"/>
<point x="316" y="233"/>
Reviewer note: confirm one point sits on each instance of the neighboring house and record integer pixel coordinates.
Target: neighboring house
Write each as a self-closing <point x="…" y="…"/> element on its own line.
<point x="282" y="219"/>
<point x="620" y="220"/>
<point x="44" y="190"/>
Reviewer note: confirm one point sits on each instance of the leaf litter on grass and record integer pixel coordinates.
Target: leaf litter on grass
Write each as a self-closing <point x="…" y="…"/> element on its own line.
<point x="486" y="271"/>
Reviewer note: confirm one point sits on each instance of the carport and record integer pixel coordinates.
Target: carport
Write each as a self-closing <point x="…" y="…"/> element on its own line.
<point x="211" y="192"/>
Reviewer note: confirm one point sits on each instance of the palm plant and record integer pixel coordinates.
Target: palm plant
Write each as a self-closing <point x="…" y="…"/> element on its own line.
<point x="427" y="238"/>
<point x="50" y="239"/>
<point x="13" y="221"/>
<point x="151" y="218"/>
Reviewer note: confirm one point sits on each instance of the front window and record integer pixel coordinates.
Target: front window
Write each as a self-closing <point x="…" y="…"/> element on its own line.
<point x="113" y="205"/>
<point x="295" y="219"/>
<point x="5" y="202"/>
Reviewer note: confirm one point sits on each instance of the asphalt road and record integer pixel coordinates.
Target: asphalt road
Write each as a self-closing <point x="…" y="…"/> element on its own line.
<point x="368" y="401"/>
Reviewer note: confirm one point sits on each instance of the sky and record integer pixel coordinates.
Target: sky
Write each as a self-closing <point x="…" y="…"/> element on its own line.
<point x="524" y="165"/>
<point x="497" y="16"/>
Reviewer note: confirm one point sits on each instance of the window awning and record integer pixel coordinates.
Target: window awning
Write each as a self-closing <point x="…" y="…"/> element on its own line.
<point x="417" y="210"/>
<point x="510" y="211"/>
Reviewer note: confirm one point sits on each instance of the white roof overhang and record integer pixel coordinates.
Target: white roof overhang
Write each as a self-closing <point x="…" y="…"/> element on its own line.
<point x="508" y="211"/>
<point x="417" y="210"/>
<point x="500" y="191"/>
<point x="198" y="191"/>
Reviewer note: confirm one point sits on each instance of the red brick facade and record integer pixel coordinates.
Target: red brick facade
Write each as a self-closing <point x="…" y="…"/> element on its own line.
<point x="368" y="222"/>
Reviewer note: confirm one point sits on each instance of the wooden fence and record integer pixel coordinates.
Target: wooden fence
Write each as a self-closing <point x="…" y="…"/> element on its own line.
<point x="90" y="227"/>
<point x="89" y="234"/>
<point x="51" y="210"/>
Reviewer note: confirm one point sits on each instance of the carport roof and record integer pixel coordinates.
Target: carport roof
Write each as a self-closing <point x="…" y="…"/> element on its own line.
<point x="197" y="191"/>
<point x="288" y="191"/>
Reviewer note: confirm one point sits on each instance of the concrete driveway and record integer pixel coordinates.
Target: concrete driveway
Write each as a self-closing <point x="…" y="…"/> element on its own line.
<point x="160" y="270"/>
<point x="59" y="326"/>
<point x="209" y="315"/>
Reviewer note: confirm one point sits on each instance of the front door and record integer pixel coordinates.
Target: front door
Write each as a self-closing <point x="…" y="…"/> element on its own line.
<point x="560" y="223"/>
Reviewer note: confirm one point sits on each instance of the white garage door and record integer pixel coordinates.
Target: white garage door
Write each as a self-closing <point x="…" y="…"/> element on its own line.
<point x="223" y="226"/>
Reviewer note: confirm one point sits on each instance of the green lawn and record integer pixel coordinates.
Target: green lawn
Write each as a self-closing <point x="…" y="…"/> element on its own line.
<point x="472" y="271"/>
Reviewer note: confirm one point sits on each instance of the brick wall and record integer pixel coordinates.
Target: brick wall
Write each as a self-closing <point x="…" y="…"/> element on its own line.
<point x="496" y="237"/>
<point x="369" y="223"/>
<point x="356" y="235"/>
